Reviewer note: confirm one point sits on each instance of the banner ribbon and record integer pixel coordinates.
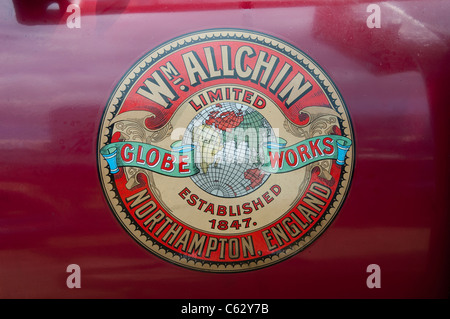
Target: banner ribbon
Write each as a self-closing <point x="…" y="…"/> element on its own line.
<point x="180" y="160"/>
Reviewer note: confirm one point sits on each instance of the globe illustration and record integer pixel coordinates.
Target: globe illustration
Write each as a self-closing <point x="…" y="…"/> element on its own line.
<point x="229" y="141"/>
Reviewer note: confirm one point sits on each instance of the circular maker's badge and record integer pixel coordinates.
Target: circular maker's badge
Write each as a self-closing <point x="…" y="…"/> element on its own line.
<point x="225" y="150"/>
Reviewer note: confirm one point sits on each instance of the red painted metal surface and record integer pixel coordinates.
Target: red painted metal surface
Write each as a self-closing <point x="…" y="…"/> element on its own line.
<point x="55" y="82"/>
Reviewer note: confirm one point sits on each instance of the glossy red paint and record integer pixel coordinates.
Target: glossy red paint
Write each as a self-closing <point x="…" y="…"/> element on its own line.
<point x="55" y="82"/>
